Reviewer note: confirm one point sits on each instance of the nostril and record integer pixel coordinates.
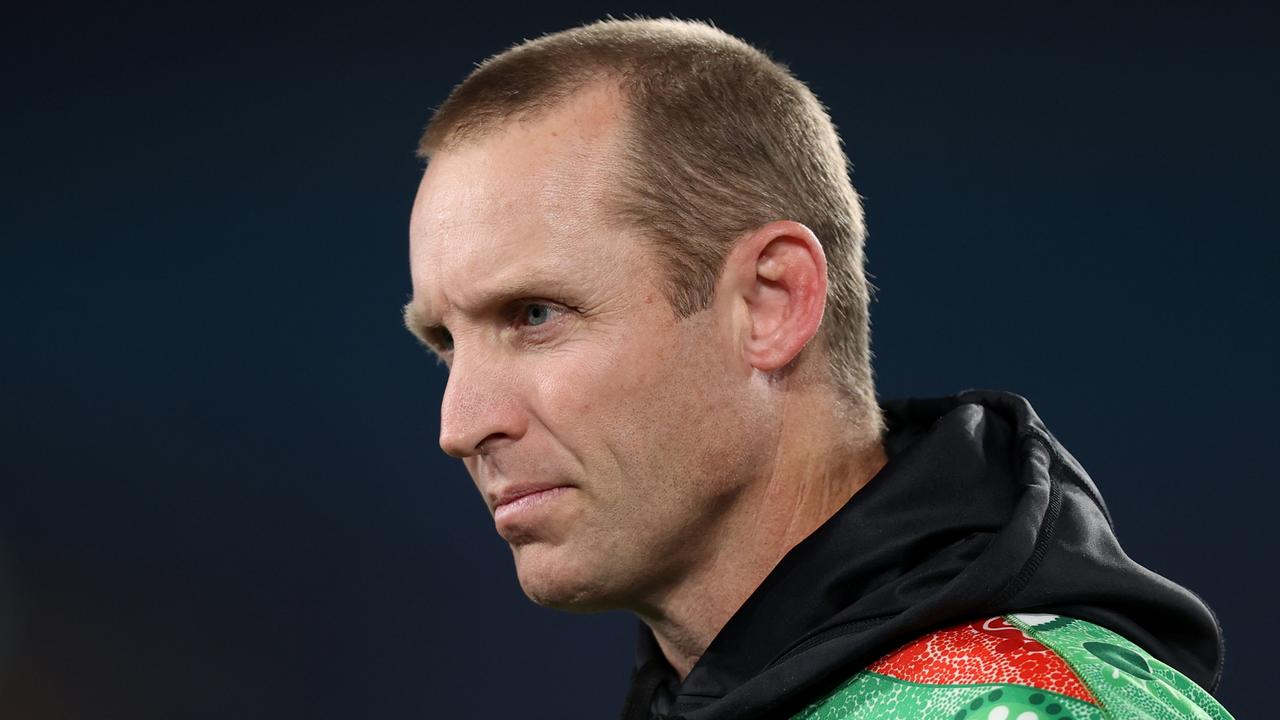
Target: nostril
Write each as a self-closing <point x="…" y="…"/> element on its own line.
<point x="491" y="443"/>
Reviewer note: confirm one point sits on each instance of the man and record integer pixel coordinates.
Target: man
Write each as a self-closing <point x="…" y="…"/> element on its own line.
<point x="637" y="249"/>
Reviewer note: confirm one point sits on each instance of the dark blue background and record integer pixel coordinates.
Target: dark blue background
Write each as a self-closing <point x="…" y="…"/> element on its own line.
<point x="220" y="490"/>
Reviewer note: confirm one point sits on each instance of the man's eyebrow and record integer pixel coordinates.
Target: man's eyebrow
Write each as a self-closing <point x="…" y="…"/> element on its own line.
<point x="499" y="294"/>
<point x="420" y="329"/>
<point x="529" y="284"/>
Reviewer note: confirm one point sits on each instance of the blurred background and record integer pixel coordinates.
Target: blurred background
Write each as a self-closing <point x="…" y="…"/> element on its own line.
<point x="220" y="490"/>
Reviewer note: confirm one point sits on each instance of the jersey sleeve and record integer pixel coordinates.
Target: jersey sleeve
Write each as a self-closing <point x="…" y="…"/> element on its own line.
<point x="1018" y="667"/>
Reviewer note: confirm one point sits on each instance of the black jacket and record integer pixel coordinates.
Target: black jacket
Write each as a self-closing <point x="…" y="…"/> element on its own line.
<point x="978" y="512"/>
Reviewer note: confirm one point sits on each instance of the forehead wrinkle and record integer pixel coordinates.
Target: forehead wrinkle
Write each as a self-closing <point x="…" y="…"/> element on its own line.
<point x="547" y="275"/>
<point x="475" y="300"/>
<point x="531" y="202"/>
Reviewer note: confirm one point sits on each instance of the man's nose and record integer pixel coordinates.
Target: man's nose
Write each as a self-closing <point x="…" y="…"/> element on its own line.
<point x="480" y="408"/>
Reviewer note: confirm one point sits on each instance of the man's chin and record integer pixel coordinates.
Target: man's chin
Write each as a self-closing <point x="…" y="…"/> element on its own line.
<point x="554" y="581"/>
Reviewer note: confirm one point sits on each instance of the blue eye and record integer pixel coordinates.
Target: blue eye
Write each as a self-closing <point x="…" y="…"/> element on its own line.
<point x="536" y="313"/>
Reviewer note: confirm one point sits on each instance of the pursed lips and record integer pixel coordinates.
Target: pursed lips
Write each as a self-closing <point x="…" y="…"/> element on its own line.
<point x="515" y="492"/>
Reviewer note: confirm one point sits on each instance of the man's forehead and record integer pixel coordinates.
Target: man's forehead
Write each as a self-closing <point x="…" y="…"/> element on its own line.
<point x="481" y="227"/>
<point x="552" y="161"/>
<point x="530" y="199"/>
<point x="471" y="273"/>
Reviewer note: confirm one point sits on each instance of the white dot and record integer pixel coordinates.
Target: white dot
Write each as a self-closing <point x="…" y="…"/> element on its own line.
<point x="999" y="712"/>
<point x="1028" y="715"/>
<point x="1034" y="619"/>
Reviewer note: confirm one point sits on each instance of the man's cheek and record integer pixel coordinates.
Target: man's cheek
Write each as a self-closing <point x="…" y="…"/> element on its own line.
<point x="602" y="386"/>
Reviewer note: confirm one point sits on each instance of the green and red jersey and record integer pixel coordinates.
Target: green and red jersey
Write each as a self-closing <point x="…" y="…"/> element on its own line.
<point x="1019" y="667"/>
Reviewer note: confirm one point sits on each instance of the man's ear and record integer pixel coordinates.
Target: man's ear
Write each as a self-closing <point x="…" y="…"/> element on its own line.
<point x="779" y="274"/>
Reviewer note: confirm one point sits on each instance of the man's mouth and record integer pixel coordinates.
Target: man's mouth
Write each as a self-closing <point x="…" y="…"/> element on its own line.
<point x="517" y="506"/>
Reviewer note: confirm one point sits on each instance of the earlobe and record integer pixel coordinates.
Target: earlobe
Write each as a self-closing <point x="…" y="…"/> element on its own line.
<point x="784" y="285"/>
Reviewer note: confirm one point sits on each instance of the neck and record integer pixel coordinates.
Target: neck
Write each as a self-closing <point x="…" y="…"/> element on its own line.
<point x="819" y="461"/>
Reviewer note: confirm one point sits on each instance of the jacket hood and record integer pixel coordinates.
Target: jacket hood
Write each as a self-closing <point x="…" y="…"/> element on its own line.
<point x="979" y="512"/>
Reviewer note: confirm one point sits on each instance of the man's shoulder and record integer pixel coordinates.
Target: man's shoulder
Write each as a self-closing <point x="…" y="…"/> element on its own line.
<point x="1018" y="667"/>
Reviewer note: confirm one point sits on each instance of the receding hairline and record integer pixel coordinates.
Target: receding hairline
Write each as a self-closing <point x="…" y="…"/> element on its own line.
<point x="578" y="149"/>
<point x="602" y="94"/>
<point x="609" y="51"/>
<point x="721" y="138"/>
<point x="454" y="133"/>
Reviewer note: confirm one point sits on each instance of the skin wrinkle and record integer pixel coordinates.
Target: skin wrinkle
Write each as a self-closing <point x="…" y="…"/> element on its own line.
<point x="697" y="451"/>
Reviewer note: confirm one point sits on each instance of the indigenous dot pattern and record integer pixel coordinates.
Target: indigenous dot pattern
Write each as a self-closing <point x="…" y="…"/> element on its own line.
<point x="971" y="672"/>
<point x="871" y="696"/>
<point x="1128" y="680"/>
<point x="990" y="650"/>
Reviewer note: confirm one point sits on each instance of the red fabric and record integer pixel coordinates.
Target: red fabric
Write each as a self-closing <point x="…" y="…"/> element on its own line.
<point x="987" y="651"/>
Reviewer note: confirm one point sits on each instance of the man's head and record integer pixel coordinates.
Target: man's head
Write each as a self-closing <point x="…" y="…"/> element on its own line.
<point x="622" y="246"/>
<point x="720" y="140"/>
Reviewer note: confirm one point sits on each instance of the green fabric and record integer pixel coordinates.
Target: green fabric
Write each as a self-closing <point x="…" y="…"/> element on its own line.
<point x="871" y="696"/>
<point x="1126" y="681"/>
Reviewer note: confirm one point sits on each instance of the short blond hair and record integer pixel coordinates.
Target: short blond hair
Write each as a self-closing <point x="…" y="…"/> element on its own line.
<point x="721" y="139"/>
